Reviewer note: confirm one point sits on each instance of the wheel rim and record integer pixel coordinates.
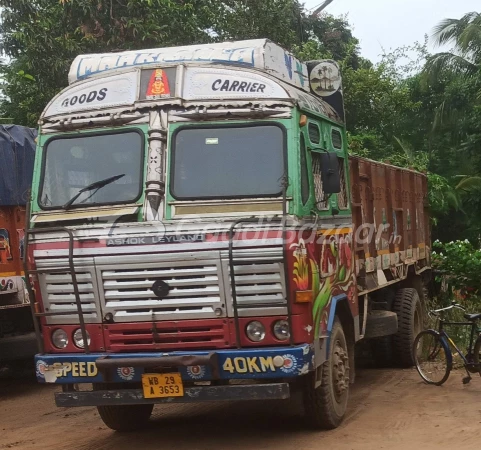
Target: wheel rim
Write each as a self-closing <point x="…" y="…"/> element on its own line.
<point x="431" y="360"/>
<point x="340" y="371"/>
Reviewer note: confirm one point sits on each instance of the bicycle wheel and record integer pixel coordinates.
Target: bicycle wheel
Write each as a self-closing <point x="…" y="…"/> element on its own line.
<point x="432" y="357"/>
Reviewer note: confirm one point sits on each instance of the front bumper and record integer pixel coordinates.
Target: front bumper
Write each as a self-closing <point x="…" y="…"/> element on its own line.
<point x="232" y="364"/>
<point x="271" y="391"/>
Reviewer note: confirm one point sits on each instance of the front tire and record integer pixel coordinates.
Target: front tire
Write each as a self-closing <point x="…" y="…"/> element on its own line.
<point x="125" y="418"/>
<point x="325" y="406"/>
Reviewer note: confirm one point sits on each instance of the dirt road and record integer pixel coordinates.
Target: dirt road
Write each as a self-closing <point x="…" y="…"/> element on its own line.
<point x="389" y="409"/>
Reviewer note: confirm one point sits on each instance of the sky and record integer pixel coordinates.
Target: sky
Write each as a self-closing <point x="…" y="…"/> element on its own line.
<point x="390" y="24"/>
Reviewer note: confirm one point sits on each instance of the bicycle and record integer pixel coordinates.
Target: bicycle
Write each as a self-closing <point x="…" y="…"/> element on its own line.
<point x="432" y="348"/>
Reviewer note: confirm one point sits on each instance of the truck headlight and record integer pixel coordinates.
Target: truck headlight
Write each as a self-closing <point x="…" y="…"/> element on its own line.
<point x="255" y="331"/>
<point x="281" y="330"/>
<point x="59" y="338"/>
<point x="78" y="339"/>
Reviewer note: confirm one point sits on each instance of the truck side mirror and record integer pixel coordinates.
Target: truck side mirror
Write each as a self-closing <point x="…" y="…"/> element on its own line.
<point x="331" y="180"/>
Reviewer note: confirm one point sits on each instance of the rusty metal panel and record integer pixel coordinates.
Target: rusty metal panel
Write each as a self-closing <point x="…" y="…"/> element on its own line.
<point x="391" y="220"/>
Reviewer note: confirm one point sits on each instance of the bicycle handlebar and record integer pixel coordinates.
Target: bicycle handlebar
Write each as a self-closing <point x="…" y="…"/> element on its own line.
<point x="436" y="312"/>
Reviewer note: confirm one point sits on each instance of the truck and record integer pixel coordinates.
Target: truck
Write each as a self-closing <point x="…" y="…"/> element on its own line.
<point x="17" y="152"/>
<point x="198" y="232"/>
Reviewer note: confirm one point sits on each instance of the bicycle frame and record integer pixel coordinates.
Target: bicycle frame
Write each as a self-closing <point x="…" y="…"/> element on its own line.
<point x="475" y="331"/>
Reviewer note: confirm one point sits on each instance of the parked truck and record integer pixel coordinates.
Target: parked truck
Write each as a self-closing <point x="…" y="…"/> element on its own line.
<point x="198" y="232"/>
<point x="17" y="153"/>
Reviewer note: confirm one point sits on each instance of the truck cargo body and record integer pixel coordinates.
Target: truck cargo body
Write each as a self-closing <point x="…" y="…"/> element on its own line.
<point x="394" y="201"/>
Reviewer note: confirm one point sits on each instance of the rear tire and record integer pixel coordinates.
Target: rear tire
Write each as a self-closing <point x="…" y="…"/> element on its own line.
<point x="325" y="406"/>
<point x="432" y="357"/>
<point x="408" y="308"/>
<point x="125" y="418"/>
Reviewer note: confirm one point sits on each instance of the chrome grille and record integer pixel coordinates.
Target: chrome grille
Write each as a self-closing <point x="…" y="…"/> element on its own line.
<point x="259" y="284"/>
<point x="199" y="286"/>
<point x="196" y="291"/>
<point x="58" y="296"/>
<point x="259" y="280"/>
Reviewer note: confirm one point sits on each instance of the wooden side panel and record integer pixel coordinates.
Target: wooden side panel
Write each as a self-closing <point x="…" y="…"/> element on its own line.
<point x="391" y="221"/>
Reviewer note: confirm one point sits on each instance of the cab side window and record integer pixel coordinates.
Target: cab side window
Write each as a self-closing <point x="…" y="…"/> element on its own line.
<point x="336" y="139"/>
<point x="314" y="133"/>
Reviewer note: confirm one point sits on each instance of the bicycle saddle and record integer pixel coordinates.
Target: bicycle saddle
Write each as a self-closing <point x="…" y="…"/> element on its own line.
<point x="472" y="316"/>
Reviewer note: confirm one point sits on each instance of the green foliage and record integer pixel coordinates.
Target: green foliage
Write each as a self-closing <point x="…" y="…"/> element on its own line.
<point x="42" y="37"/>
<point x="459" y="264"/>
<point x="380" y="106"/>
<point x="281" y="21"/>
<point x="442" y="196"/>
<point x="469" y="184"/>
<point x="465" y="34"/>
<point x="329" y="37"/>
<point x="407" y="112"/>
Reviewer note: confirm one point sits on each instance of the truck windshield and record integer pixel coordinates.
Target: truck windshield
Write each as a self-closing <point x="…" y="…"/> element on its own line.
<point x="227" y="162"/>
<point x="73" y="163"/>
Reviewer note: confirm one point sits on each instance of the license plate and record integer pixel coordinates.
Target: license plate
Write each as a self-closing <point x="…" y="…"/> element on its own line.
<point x="158" y="385"/>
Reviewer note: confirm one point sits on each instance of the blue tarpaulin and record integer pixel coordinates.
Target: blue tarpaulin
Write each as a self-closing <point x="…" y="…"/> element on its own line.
<point x="17" y="154"/>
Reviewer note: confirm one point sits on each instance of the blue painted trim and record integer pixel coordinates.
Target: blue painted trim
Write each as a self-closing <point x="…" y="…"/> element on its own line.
<point x="254" y="363"/>
<point x="332" y="315"/>
<point x="332" y="311"/>
<point x="141" y="60"/>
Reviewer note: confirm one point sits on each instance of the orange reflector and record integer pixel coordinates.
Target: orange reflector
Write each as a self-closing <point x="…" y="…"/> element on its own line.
<point x="37" y="307"/>
<point x="304" y="296"/>
<point x="302" y="120"/>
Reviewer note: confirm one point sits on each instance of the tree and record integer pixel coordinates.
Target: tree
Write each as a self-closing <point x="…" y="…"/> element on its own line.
<point x="330" y="37"/>
<point x="465" y="35"/>
<point x="42" y="37"/>
<point x="281" y="21"/>
<point x="451" y="87"/>
<point x="378" y="108"/>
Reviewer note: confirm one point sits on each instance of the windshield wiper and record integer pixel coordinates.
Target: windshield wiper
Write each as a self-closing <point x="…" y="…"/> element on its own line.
<point x="96" y="185"/>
